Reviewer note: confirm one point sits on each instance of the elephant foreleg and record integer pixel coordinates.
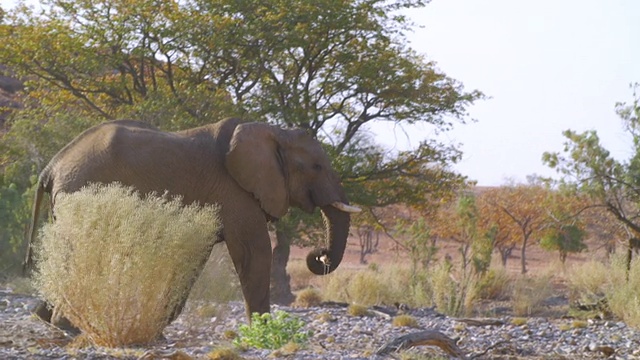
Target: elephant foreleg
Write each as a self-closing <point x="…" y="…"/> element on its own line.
<point x="252" y="261"/>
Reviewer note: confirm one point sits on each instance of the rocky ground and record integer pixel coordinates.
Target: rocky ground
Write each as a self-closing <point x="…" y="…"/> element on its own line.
<point x="336" y="335"/>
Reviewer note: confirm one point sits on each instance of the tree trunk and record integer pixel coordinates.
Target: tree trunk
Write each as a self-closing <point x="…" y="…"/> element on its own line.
<point x="523" y="260"/>
<point x="280" y="287"/>
<point x="629" y="257"/>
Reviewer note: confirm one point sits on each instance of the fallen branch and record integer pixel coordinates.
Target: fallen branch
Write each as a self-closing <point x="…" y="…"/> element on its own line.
<point x="426" y="337"/>
<point x="481" y="322"/>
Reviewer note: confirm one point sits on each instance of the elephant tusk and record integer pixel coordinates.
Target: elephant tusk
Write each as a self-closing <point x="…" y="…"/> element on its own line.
<point x="346" y="208"/>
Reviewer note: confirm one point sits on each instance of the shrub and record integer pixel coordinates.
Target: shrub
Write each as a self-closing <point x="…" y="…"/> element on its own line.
<point x="307" y="298"/>
<point x="300" y="275"/>
<point x="518" y="321"/>
<point x="223" y="354"/>
<point x="357" y="310"/>
<point x="622" y="294"/>
<point x="405" y="321"/>
<point x="529" y="293"/>
<point x="271" y="332"/>
<point x="452" y="297"/>
<point x="494" y="285"/>
<point x="116" y="264"/>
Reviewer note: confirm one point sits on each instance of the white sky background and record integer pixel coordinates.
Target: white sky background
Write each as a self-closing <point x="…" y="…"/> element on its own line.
<point x="548" y="66"/>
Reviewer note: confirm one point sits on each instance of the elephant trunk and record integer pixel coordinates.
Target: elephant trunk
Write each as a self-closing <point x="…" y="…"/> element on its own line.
<point x="323" y="261"/>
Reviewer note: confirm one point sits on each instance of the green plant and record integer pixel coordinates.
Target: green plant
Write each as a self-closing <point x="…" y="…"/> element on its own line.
<point x="452" y="297"/>
<point x="565" y="239"/>
<point x="117" y="265"/>
<point x="268" y="331"/>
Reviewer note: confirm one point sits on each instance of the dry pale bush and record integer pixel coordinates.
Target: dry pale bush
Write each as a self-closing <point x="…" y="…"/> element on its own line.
<point x="116" y="264"/>
<point x="529" y="293"/>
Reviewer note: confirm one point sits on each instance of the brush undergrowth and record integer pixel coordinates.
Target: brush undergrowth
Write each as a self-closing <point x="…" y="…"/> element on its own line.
<point x="269" y="331"/>
<point x="116" y="264"/>
<point x="595" y="281"/>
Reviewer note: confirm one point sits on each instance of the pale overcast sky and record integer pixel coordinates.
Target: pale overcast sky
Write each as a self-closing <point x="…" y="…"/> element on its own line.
<point x="548" y="66"/>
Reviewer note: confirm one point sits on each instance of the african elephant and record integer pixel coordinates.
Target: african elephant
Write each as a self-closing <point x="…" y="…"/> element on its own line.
<point x="255" y="171"/>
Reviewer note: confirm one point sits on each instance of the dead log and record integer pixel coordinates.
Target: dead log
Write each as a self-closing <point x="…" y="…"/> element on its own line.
<point x="481" y="322"/>
<point x="426" y="337"/>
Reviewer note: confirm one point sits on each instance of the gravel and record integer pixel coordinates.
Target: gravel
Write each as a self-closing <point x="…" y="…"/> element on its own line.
<point x="336" y="335"/>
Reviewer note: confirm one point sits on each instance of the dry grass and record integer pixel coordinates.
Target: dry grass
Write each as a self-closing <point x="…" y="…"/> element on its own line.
<point x="623" y="295"/>
<point x="116" y="265"/>
<point x="301" y="277"/>
<point x="218" y="282"/>
<point x="529" y="293"/>
<point x="404" y="321"/>
<point x="357" y="310"/>
<point x="307" y="298"/>
<point x="592" y="281"/>
<point x="494" y="285"/>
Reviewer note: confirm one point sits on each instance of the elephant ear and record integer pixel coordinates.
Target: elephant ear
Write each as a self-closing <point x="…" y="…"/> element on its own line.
<point x="254" y="161"/>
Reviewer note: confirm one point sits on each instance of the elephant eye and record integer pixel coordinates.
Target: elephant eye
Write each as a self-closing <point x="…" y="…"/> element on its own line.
<point x="317" y="167"/>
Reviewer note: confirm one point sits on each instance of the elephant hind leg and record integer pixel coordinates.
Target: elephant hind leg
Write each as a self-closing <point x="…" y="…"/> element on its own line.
<point x="47" y="314"/>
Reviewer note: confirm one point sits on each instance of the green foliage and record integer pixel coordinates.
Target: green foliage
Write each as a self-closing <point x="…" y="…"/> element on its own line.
<point x="14" y="220"/>
<point x="116" y="264"/>
<point x="419" y="242"/>
<point x="589" y="168"/>
<point x="272" y="331"/>
<point x="566" y="239"/>
<point x="482" y="251"/>
<point x="330" y="67"/>
<point x="450" y="296"/>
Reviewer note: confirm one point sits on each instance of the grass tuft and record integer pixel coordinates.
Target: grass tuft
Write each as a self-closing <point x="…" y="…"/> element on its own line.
<point x="529" y="293"/>
<point x="223" y="354"/>
<point x="116" y="264"/>
<point x="405" y="321"/>
<point x="357" y="310"/>
<point x="307" y="298"/>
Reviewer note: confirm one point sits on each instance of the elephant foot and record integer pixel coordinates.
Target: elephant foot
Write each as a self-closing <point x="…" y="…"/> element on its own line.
<point x="45" y="313"/>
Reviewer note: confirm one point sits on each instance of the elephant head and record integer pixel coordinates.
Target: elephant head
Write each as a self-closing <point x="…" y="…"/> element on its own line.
<point x="283" y="168"/>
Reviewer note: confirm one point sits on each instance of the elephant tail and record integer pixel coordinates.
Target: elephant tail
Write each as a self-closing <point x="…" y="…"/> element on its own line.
<point x="27" y="266"/>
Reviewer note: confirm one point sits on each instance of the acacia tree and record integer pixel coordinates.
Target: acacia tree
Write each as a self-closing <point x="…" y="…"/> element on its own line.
<point x="523" y="205"/>
<point x="330" y="67"/>
<point x="564" y="230"/>
<point x="610" y="184"/>
<point x="496" y="222"/>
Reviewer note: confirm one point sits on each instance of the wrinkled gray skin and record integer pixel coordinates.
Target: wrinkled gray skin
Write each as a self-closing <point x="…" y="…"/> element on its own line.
<point x="253" y="170"/>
